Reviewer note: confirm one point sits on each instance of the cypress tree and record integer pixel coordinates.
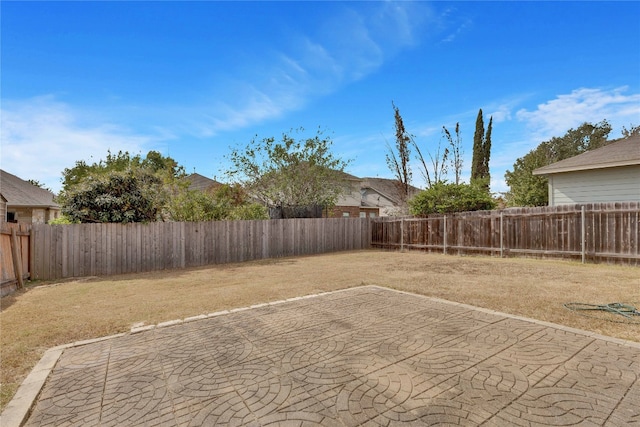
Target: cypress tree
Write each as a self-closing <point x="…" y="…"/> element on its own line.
<point x="478" y="152"/>
<point x="486" y="154"/>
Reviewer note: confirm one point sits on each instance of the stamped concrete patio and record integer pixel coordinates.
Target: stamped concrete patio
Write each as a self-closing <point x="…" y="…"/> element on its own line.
<point x="363" y="356"/>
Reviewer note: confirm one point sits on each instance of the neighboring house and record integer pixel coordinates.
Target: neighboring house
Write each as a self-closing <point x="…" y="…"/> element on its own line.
<point x="370" y="197"/>
<point x="3" y="207"/>
<point x="607" y="174"/>
<point x="24" y="202"/>
<point x="202" y="183"/>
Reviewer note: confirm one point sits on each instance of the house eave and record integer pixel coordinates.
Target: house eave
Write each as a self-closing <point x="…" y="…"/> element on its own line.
<point x="12" y="205"/>
<point x="550" y="171"/>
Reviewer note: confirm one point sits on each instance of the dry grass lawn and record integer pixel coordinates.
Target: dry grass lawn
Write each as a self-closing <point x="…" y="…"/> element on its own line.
<point x="46" y="315"/>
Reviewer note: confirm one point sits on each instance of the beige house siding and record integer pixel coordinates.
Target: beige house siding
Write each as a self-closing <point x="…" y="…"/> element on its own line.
<point x="3" y="209"/>
<point x="22" y="215"/>
<point x="370" y="198"/>
<point x="26" y="215"/>
<point x="619" y="184"/>
<point x="353" y="212"/>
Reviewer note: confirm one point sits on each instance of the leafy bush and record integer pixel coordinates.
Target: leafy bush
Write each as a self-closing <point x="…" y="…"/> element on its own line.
<point x="190" y="205"/>
<point x="249" y="211"/>
<point x="114" y="197"/>
<point x="449" y="198"/>
<point x="62" y="220"/>
<point x="226" y="202"/>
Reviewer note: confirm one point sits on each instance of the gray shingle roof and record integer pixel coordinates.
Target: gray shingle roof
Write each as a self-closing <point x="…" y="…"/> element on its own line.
<point x="387" y="187"/>
<point x="200" y="182"/>
<point x="19" y="192"/>
<point x="624" y="152"/>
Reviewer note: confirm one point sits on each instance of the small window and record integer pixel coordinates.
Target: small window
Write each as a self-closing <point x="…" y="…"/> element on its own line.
<point x="345" y="214"/>
<point x="372" y="214"/>
<point x="11" y="217"/>
<point x="363" y="214"/>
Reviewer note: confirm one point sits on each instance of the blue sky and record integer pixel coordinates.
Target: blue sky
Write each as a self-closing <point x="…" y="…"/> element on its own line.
<point x="192" y="79"/>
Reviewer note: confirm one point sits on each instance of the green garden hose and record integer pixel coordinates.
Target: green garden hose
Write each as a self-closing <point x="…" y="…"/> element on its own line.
<point x="615" y="308"/>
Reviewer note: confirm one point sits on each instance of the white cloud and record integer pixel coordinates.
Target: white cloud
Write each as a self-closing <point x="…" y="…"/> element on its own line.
<point x="347" y="47"/>
<point x="554" y="118"/>
<point x="257" y="106"/>
<point x="557" y="116"/>
<point x="40" y="137"/>
<point x="451" y="17"/>
<point x="501" y="113"/>
<point x="462" y="28"/>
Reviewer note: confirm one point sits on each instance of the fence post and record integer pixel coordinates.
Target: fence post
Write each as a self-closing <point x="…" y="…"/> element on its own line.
<point x="583" y="233"/>
<point x="501" y="235"/>
<point x="444" y="251"/>
<point x="401" y="234"/>
<point x="16" y="253"/>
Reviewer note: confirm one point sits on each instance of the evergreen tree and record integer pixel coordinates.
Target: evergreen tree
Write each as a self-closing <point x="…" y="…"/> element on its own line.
<point x="478" y="153"/>
<point x="481" y="153"/>
<point x="486" y="154"/>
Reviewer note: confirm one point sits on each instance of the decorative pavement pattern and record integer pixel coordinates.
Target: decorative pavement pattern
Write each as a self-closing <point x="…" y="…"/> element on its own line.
<point x="366" y="356"/>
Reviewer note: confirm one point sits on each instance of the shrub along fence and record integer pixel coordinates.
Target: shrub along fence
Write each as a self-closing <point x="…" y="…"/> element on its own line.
<point x="77" y="250"/>
<point x="607" y="232"/>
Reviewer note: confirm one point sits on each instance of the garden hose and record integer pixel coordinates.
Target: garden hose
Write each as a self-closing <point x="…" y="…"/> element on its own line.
<point x="615" y="308"/>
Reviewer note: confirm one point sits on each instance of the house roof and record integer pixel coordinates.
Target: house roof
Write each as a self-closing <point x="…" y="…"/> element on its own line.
<point x="20" y="193"/>
<point x="384" y="187"/>
<point x="387" y="187"/>
<point x="623" y="152"/>
<point x="200" y="182"/>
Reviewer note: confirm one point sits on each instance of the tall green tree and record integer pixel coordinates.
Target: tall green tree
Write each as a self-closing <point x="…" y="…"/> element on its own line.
<point x="526" y="189"/>
<point x="486" y="155"/>
<point x="478" y="152"/>
<point x="481" y="152"/>
<point x="398" y="160"/>
<point x="290" y="172"/>
<point x="154" y="162"/>
<point x="157" y="177"/>
<point x="112" y="197"/>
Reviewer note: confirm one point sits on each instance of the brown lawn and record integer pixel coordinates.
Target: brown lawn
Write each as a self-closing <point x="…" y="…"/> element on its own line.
<point x="46" y="315"/>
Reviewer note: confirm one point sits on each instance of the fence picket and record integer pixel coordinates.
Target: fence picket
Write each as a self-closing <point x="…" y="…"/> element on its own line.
<point x="611" y="232"/>
<point x="59" y="251"/>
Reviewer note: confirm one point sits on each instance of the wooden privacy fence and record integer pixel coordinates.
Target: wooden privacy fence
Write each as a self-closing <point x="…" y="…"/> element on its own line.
<point x="78" y="250"/>
<point x="595" y="232"/>
<point x="14" y="256"/>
